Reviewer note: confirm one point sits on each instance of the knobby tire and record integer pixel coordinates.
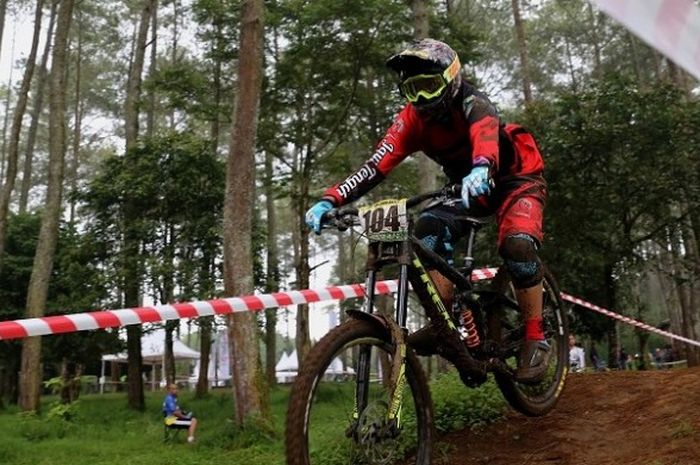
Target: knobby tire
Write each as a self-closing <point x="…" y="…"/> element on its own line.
<point x="538" y="399"/>
<point x="313" y="368"/>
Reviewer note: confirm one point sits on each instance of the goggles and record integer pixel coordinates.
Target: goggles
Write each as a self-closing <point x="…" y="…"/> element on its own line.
<point x="428" y="86"/>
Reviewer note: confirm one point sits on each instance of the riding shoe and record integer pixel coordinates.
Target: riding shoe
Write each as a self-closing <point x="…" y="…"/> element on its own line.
<point x="533" y="361"/>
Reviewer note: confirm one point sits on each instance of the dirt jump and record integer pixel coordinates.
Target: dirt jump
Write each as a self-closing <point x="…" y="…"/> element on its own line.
<point x="621" y="418"/>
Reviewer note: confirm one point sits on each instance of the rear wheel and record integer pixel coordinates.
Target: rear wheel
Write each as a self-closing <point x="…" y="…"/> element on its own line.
<point x="321" y="427"/>
<point x="506" y="325"/>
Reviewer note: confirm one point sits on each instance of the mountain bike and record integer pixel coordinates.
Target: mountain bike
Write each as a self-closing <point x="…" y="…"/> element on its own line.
<point x="361" y="395"/>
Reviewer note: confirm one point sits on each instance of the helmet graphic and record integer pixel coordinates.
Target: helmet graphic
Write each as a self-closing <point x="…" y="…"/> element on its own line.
<point x="429" y="73"/>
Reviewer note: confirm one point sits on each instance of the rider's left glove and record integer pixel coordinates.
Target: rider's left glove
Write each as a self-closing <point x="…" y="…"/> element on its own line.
<point x="476" y="183"/>
<point x="314" y="215"/>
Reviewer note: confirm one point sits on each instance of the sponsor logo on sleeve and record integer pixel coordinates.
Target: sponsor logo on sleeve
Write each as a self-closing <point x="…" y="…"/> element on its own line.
<point x="367" y="172"/>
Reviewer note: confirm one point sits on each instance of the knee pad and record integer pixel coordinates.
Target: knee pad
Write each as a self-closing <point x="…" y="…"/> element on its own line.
<point x="435" y="235"/>
<point x="519" y="253"/>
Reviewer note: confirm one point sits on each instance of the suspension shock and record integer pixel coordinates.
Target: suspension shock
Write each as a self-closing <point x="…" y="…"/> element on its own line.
<point x="471" y="334"/>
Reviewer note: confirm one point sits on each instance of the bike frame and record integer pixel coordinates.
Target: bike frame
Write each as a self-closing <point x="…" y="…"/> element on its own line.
<point x="408" y="254"/>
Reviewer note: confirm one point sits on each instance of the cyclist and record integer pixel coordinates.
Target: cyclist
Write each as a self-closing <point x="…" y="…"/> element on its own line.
<point x="499" y="166"/>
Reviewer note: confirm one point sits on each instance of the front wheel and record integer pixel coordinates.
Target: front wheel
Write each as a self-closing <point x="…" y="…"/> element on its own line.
<point x="506" y="326"/>
<point x="322" y="425"/>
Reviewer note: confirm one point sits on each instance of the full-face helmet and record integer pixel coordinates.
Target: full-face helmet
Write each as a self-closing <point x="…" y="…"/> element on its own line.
<point x="429" y="73"/>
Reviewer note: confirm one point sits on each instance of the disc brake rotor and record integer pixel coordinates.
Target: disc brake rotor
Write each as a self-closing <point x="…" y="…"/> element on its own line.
<point x="375" y="439"/>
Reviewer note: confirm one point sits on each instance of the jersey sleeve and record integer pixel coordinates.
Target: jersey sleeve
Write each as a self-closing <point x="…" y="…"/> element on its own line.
<point x="397" y="144"/>
<point x="483" y="130"/>
<point x="169" y="405"/>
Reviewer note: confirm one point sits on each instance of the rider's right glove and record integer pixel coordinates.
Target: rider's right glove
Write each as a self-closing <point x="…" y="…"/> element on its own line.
<point x="476" y="183"/>
<point x="315" y="214"/>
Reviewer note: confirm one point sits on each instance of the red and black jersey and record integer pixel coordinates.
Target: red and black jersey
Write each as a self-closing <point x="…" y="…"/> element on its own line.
<point x="470" y="135"/>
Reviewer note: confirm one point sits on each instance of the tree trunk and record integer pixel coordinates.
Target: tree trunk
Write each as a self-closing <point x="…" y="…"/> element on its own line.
<point x="303" y="338"/>
<point x="523" y="49"/>
<point x="2" y="387"/>
<point x="13" y="149"/>
<point x="39" y="90"/>
<point x="8" y="102"/>
<point x="132" y="280"/>
<point x="30" y="384"/>
<point x="77" y="120"/>
<point x="3" y="11"/>
<point x="215" y="127"/>
<point x="666" y="276"/>
<point x="238" y="213"/>
<point x="65" y="379"/>
<point x="610" y="302"/>
<point x="151" y="113"/>
<point x="133" y="90"/>
<point x="272" y="278"/>
<point x="76" y="384"/>
<point x="173" y="57"/>
<point x="597" y="67"/>
<point x="570" y="62"/>
<point x="421" y="25"/>
<point x="688" y="289"/>
<point x="169" y="355"/>
<point x="636" y="62"/>
<point x="167" y="297"/>
<point x="205" y="340"/>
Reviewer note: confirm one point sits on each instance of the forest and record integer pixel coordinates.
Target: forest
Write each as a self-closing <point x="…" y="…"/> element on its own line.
<point x="162" y="151"/>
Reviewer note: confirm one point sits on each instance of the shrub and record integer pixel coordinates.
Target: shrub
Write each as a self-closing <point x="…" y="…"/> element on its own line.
<point x="458" y="407"/>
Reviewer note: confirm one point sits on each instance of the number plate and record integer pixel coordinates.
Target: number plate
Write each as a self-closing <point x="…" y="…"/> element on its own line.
<point x="385" y="221"/>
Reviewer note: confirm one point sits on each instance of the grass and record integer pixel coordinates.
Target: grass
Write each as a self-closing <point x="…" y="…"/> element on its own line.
<point x="100" y="430"/>
<point x="105" y="432"/>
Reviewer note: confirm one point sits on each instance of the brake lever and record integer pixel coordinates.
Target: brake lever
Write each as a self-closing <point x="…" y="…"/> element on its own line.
<point x="339" y="218"/>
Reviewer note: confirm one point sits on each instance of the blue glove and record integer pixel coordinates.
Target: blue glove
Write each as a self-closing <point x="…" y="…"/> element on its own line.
<point x="476" y="184"/>
<point x="315" y="213"/>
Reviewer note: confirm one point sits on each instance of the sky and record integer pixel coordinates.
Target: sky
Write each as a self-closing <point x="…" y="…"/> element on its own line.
<point x="20" y="27"/>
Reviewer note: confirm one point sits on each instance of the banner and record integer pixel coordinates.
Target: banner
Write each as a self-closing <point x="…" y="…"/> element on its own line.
<point x="670" y="26"/>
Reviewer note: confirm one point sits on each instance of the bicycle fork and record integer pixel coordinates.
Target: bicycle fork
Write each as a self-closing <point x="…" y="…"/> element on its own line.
<point x="398" y="332"/>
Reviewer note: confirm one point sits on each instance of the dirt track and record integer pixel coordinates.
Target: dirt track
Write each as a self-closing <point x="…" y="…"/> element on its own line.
<point x="621" y="418"/>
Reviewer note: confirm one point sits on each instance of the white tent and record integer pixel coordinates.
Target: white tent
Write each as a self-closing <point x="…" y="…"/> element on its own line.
<point x="219" y="370"/>
<point x="288" y="366"/>
<point x="152" y="353"/>
<point x="336" y="368"/>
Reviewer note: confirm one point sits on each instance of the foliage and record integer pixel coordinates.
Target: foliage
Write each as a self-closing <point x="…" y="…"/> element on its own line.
<point x="616" y="155"/>
<point x="457" y="407"/>
<point x="172" y="187"/>
<point x="57" y="424"/>
<point x="76" y="286"/>
<point x="101" y="428"/>
<point x="63" y="412"/>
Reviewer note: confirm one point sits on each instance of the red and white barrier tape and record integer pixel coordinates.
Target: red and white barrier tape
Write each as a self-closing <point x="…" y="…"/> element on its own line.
<point x="624" y="319"/>
<point x="116" y="318"/>
<point x="70" y="323"/>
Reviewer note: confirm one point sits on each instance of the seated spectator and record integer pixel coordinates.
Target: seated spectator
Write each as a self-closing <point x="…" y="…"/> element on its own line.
<point x="577" y="356"/>
<point x="175" y="417"/>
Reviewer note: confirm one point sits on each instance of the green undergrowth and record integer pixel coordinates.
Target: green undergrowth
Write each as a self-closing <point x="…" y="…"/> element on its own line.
<point x="100" y="430"/>
<point x="457" y="407"/>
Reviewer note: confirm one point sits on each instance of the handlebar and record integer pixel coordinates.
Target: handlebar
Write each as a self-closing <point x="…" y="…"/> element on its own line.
<point x="451" y="191"/>
<point x="345" y="217"/>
